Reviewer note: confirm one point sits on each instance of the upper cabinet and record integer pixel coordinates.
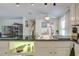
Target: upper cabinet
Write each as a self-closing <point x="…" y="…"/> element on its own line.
<point x="77" y="13"/>
<point x="74" y="14"/>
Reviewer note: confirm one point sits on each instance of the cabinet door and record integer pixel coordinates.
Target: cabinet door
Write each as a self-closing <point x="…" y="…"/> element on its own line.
<point x="44" y="51"/>
<point x="72" y="14"/>
<point x="77" y="52"/>
<point x="4" y="45"/>
<point x="62" y="52"/>
<point x="76" y="49"/>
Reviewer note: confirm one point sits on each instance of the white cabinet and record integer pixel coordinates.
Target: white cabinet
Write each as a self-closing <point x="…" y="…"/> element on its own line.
<point x="74" y="13"/>
<point x="76" y="49"/>
<point x="52" y="48"/>
<point x="44" y="44"/>
<point x="4" y="47"/>
<point x="62" y="51"/>
<point x="44" y="48"/>
<point x="44" y="51"/>
<point x="77" y="13"/>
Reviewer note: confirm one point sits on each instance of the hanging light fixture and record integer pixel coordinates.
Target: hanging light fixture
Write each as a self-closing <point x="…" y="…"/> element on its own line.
<point x="46" y="17"/>
<point x="32" y="4"/>
<point x="18" y="4"/>
<point x="45" y="3"/>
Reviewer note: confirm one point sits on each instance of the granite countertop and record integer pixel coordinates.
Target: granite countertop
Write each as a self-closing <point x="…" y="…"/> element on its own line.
<point x="64" y="39"/>
<point x="56" y="38"/>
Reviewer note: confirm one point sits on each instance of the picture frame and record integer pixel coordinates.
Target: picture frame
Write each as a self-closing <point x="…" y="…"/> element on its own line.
<point x="43" y="24"/>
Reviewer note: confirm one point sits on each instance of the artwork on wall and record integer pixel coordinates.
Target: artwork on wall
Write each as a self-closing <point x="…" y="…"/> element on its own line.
<point x="44" y="24"/>
<point x="26" y="23"/>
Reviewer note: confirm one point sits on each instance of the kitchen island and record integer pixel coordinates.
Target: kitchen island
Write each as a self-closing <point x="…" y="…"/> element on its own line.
<point x="40" y="47"/>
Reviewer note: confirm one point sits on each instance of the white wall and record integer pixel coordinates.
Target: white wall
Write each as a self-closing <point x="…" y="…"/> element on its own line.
<point x="40" y="30"/>
<point x="26" y="30"/>
<point x="66" y="16"/>
<point x="68" y="24"/>
<point x="60" y="24"/>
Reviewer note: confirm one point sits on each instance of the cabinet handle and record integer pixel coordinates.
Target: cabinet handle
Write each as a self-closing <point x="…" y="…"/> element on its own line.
<point x="55" y="52"/>
<point x="50" y="52"/>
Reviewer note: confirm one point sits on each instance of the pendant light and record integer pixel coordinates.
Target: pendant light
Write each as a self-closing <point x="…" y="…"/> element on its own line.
<point x="32" y="4"/>
<point x="18" y="4"/>
<point x="47" y="17"/>
<point x="54" y="4"/>
<point x="45" y="3"/>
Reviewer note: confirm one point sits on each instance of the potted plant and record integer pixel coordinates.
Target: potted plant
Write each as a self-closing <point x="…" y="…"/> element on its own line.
<point x="57" y="31"/>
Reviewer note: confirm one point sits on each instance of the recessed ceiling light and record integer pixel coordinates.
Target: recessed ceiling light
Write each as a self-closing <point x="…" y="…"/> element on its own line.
<point x="18" y="4"/>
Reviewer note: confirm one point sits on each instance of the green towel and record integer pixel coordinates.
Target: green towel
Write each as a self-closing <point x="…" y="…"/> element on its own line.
<point x="72" y="53"/>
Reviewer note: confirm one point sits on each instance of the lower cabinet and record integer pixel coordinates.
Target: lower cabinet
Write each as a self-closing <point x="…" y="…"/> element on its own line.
<point x="46" y="48"/>
<point x="4" y="47"/>
<point x="52" y="49"/>
<point x="62" y="51"/>
<point x="44" y="51"/>
<point x="76" y="49"/>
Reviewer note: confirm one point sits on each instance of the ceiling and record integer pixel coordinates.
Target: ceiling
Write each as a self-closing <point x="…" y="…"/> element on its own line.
<point x="38" y="10"/>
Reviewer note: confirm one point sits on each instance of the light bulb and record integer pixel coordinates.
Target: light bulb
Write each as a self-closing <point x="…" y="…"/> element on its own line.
<point x="32" y="4"/>
<point x="17" y="4"/>
<point x="47" y="18"/>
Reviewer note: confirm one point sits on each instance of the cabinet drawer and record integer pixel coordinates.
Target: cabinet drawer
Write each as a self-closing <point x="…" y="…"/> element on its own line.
<point x="62" y="44"/>
<point x="43" y="44"/>
<point x="53" y="44"/>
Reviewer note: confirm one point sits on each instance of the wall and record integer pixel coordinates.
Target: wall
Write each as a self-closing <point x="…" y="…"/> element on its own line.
<point x="40" y="30"/>
<point x="26" y="30"/>
<point x="66" y="17"/>
<point x="68" y="23"/>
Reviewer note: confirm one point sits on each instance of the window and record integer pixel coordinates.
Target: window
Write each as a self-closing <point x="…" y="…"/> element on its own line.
<point x="63" y="32"/>
<point x="63" y="23"/>
<point x="63" y="26"/>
